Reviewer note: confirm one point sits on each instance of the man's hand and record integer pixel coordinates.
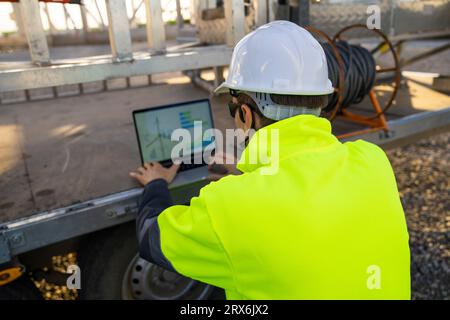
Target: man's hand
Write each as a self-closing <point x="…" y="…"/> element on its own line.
<point x="153" y="171"/>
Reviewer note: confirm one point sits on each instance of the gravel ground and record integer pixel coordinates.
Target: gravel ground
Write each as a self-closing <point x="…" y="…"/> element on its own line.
<point x="51" y="291"/>
<point x="422" y="176"/>
<point x="422" y="171"/>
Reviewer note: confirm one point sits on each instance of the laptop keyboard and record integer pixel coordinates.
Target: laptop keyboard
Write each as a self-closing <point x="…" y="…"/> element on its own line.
<point x="183" y="166"/>
<point x="188" y="166"/>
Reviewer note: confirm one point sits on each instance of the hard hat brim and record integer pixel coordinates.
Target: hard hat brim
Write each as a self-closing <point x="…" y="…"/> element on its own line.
<point x="225" y="87"/>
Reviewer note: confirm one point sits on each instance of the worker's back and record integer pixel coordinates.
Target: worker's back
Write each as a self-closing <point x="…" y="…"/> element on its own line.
<point x="323" y="221"/>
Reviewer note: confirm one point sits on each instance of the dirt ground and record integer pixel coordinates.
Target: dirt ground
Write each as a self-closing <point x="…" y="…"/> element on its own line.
<point x="422" y="172"/>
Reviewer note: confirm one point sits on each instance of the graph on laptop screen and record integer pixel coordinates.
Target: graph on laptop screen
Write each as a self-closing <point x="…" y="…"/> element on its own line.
<point x="155" y="129"/>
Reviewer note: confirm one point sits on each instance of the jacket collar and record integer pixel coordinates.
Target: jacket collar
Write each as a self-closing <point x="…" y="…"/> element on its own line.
<point x="284" y="139"/>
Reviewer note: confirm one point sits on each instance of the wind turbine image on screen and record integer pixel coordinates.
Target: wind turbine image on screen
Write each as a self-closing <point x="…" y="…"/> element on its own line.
<point x="157" y="130"/>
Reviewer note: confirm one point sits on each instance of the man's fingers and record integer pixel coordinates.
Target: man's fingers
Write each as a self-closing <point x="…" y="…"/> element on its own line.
<point x="135" y="174"/>
<point x="147" y="165"/>
<point x="141" y="170"/>
<point x="138" y="177"/>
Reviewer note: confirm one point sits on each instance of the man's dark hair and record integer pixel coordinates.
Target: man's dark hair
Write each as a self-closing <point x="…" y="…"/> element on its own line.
<point x="300" y="101"/>
<point x="286" y="100"/>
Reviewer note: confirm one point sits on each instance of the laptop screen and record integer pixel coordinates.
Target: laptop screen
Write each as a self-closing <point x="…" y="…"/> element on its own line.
<point x="154" y="128"/>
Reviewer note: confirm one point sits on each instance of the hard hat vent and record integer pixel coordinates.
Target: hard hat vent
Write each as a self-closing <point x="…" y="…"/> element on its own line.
<point x="276" y="111"/>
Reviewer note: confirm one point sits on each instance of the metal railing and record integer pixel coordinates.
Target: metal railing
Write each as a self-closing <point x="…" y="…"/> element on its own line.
<point x="123" y="62"/>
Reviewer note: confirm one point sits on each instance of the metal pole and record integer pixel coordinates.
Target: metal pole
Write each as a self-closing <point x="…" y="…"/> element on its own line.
<point x="66" y="18"/>
<point x="84" y="21"/>
<point x="100" y="14"/>
<point x="272" y="6"/>
<point x="119" y="30"/>
<point x="156" y="34"/>
<point x="303" y="13"/>
<point x="218" y="76"/>
<point x="98" y="22"/>
<point x="37" y="41"/>
<point x="18" y="19"/>
<point x="69" y="18"/>
<point x="179" y="16"/>
<point x="235" y="20"/>
<point x="260" y="12"/>
<point x="50" y="23"/>
<point x="133" y="17"/>
<point x="133" y="9"/>
<point x="393" y="5"/>
<point x="426" y="54"/>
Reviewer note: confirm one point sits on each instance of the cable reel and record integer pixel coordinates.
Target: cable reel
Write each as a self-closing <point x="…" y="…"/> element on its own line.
<point x="354" y="72"/>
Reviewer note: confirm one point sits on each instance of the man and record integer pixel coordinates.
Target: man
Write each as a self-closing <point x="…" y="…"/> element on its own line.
<point x="326" y="224"/>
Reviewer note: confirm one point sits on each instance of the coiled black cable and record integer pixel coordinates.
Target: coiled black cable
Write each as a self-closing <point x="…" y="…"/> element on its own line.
<point x="359" y="73"/>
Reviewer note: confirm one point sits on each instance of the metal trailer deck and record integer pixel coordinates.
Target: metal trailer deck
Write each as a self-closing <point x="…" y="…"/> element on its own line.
<point x="65" y="161"/>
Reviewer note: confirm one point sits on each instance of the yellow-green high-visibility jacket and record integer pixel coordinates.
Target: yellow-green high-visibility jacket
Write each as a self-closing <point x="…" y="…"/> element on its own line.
<point x="317" y="219"/>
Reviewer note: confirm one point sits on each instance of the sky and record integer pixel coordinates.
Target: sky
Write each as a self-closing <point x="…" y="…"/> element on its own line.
<point x="56" y="12"/>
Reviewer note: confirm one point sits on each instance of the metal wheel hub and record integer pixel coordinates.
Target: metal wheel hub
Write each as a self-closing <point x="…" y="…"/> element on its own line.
<point x="146" y="281"/>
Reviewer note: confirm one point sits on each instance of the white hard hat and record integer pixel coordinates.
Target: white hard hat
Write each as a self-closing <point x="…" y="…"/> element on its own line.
<point x="281" y="58"/>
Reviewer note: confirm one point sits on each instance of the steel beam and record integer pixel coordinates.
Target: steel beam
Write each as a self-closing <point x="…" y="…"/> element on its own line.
<point x="88" y="70"/>
<point x="156" y="34"/>
<point x="261" y="12"/>
<point x="218" y="76"/>
<point x="303" y="13"/>
<point x="409" y="129"/>
<point x="18" y="19"/>
<point x="180" y="20"/>
<point x="119" y="30"/>
<point x="49" y="19"/>
<point x="425" y="55"/>
<point x="84" y="20"/>
<point x="34" y="32"/>
<point x="235" y="20"/>
<point x="272" y="7"/>
<point x="99" y="14"/>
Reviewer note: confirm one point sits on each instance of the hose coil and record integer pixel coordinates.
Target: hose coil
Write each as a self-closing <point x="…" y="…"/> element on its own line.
<point x="359" y="72"/>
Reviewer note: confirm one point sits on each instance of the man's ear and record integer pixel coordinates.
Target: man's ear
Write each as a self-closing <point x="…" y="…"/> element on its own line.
<point x="248" y="116"/>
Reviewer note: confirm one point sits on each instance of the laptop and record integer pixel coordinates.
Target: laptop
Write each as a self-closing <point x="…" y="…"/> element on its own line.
<point x="155" y="128"/>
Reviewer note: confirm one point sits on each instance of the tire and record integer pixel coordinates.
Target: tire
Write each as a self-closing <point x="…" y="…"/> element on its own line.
<point x="20" y="289"/>
<point x="105" y="260"/>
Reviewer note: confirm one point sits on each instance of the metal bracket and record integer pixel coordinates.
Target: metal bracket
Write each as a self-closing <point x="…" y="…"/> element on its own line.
<point x="17" y="239"/>
<point x="120" y="211"/>
<point x="387" y="134"/>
